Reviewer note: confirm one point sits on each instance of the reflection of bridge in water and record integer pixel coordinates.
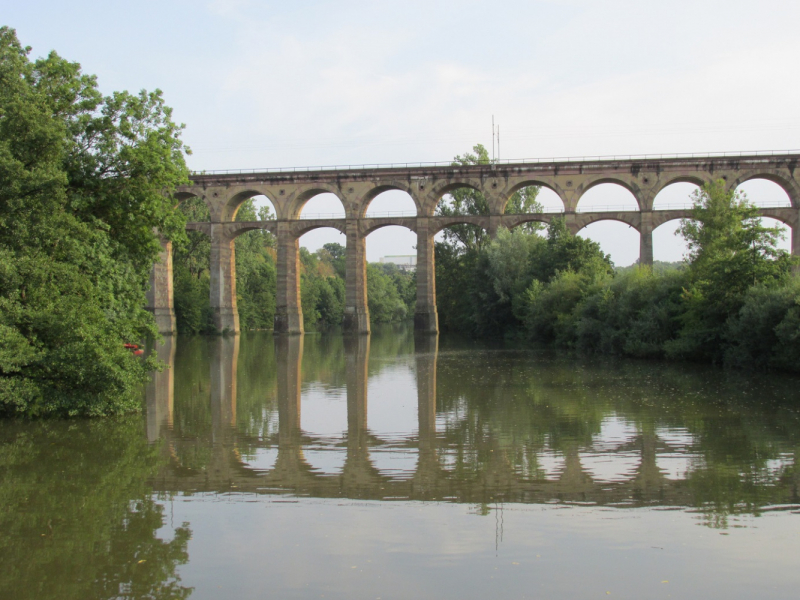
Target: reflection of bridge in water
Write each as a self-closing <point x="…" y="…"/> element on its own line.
<point x="498" y="480"/>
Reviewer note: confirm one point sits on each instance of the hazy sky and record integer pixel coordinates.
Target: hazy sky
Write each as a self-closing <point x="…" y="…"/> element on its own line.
<point x="275" y="84"/>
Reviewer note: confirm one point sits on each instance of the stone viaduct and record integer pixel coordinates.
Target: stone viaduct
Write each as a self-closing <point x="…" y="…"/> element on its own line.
<point x="357" y="187"/>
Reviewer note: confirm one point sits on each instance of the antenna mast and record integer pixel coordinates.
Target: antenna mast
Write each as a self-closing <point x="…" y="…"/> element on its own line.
<point x="492" y="138"/>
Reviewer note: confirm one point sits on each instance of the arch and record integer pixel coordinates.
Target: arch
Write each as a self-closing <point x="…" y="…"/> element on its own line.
<point x="441" y="223"/>
<point x="765" y="192"/>
<point x="543" y="186"/>
<point x="300" y="228"/>
<point x="389" y="187"/>
<point x="601" y="201"/>
<point x="669" y="180"/>
<point x="677" y="194"/>
<point x="439" y="192"/>
<point x="239" y="227"/>
<point x="790" y="187"/>
<point x="524" y="218"/>
<point x="585" y="219"/>
<point x="235" y="202"/>
<point x="183" y="195"/>
<point x="668" y="245"/>
<point x="622" y="245"/>
<point x="296" y="204"/>
<point x="195" y="208"/>
<point x="370" y="225"/>
<point x="398" y="240"/>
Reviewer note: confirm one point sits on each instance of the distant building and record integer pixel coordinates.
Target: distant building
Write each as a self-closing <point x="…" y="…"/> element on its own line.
<point x="406" y="262"/>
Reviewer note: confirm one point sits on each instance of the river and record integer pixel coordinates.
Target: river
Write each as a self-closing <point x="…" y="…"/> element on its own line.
<point x="384" y="466"/>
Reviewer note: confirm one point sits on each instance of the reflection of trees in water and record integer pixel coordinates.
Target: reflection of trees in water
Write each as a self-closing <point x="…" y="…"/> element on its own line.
<point x="78" y="519"/>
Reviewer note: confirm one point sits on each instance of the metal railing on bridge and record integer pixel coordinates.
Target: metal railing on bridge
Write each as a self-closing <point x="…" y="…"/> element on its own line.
<point x="509" y="161"/>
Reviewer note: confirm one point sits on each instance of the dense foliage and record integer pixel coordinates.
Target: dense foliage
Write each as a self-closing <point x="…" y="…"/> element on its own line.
<point x="82" y="189"/>
<point x="735" y="302"/>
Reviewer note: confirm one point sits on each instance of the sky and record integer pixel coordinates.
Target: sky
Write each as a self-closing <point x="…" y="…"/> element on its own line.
<point x="265" y="84"/>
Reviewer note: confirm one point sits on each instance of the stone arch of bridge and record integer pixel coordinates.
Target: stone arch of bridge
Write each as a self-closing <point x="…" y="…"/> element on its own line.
<point x="391" y="186"/>
<point x="295" y="204"/>
<point x="438" y="193"/>
<point x="300" y="228"/>
<point x="502" y="200"/>
<point x="235" y="202"/>
<point x="673" y="180"/>
<point x="481" y="221"/>
<point x="593" y="183"/>
<point x="586" y="219"/>
<point x="789" y="185"/>
<point x="182" y="196"/>
<point x="758" y="188"/>
<point x="622" y="244"/>
<point x="666" y="192"/>
<point x="371" y="225"/>
<point x="237" y="228"/>
<point x="184" y="199"/>
<point x="527" y="218"/>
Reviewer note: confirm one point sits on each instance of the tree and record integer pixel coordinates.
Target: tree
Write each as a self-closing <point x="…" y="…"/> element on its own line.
<point x="730" y="251"/>
<point x="85" y="181"/>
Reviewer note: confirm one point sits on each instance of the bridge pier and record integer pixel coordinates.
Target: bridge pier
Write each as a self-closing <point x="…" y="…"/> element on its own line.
<point x="159" y="295"/>
<point x="289" y="358"/>
<point x="288" y="309"/>
<point x="646" y="239"/>
<point x="222" y="268"/>
<point x="356" y="311"/>
<point x="426" y="319"/>
<point x="223" y="381"/>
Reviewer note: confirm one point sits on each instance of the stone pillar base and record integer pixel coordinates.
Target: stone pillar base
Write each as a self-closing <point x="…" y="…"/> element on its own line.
<point x="165" y="320"/>
<point x="226" y="320"/>
<point x="289" y="321"/>
<point x="426" y="321"/>
<point x="356" y="321"/>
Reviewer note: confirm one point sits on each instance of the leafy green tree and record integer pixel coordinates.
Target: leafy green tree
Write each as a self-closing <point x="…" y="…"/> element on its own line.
<point x="191" y="273"/>
<point x="84" y="183"/>
<point x="730" y="251"/>
<point x="383" y="298"/>
<point x="337" y="256"/>
<point x="256" y="271"/>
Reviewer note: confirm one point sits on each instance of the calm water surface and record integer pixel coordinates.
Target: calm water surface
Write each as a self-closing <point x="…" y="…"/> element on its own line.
<point x="387" y="467"/>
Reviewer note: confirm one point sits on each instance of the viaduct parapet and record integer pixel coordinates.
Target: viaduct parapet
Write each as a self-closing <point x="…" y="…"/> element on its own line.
<point x="289" y="191"/>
